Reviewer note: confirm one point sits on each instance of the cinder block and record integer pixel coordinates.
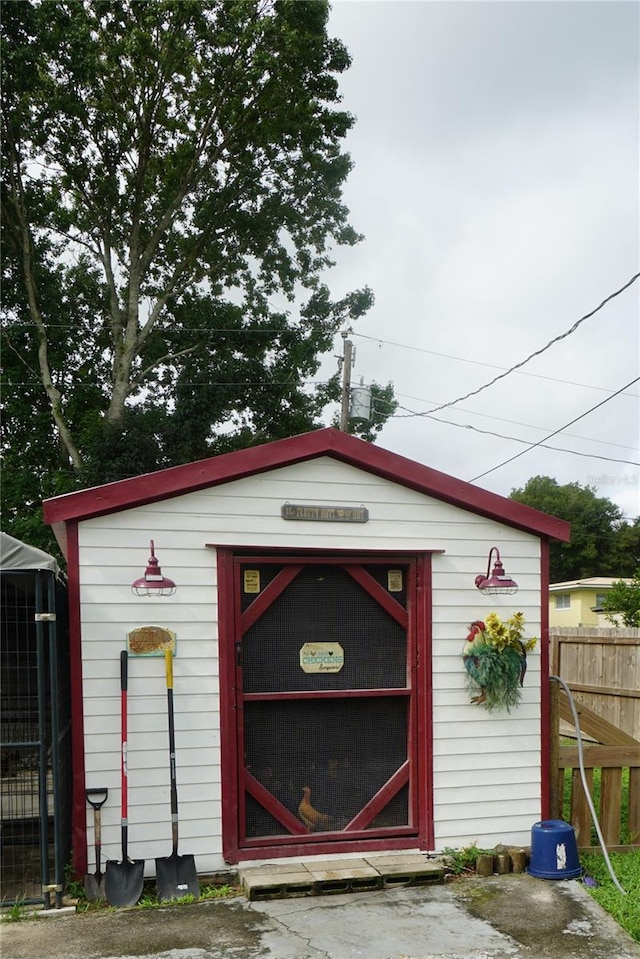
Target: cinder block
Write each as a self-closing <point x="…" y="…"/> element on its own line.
<point x="320" y="864"/>
<point x="392" y="859"/>
<point x="351" y="879"/>
<point x="329" y="875"/>
<point x="402" y="875"/>
<point x="278" y="885"/>
<point x="271" y="869"/>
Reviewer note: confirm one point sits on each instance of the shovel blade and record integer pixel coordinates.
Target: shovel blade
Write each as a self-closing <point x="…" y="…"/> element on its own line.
<point x="94" y="887"/>
<point x="123" y="882"/>
<point x="176" y="877"/>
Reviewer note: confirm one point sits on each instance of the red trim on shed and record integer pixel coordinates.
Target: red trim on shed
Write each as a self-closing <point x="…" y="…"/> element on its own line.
<point x="179" y="480"/>
<point x="79" y="802"/>
<point x="224" y="561"/>
<point x="545" y="696"/>
<point x="417" y="771"/>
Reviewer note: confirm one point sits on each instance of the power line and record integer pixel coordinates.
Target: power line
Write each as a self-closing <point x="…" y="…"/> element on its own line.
<point x="491" y="366"/>
<point x="555" y="433"/>
<point x="531" y="356"/>
<point x="516" y="439"/>
<point x="556" y="339"/>
<point x="504" y="419"/>
<point x="292" y="383"/>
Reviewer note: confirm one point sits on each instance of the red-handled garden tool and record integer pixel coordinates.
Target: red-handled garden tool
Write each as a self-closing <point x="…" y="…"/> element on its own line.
<point x="176" y="875"/>
<point x="123" y="881"/>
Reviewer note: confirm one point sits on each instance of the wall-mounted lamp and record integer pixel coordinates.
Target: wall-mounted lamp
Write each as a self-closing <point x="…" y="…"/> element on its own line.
<point x="496" y="583"/>
<point x="153" y="583"/>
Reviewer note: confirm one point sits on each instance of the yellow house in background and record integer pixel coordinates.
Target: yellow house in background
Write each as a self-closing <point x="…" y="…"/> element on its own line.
<point x="579" y="601"/>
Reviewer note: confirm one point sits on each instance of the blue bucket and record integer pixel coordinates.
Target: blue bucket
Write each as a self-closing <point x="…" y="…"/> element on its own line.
<point x="554" y="851"/>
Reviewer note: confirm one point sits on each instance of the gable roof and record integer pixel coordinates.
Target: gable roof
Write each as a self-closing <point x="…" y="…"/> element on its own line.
<point x="178" y="480"/>
<point x="591" y="582"/>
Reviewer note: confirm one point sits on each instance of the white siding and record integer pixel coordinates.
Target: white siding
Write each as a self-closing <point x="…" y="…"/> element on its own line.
<point x="486" y="767"/>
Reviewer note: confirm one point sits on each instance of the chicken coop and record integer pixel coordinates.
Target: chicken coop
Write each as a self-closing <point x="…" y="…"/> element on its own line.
<point x="316" y="594"/>
<point x="35" y="785"/>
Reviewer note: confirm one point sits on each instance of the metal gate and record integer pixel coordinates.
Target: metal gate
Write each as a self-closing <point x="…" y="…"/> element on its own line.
<point x="327" y="703"/>
<point x="36" y="737"/>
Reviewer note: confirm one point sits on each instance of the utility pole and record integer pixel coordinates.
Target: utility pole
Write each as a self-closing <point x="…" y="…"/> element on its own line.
<point x="347" y="363"/>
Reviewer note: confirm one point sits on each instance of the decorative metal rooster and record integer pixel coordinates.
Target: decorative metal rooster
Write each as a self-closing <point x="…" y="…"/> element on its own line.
<point x="497" y="671"/>
<point x="471" y="657"/>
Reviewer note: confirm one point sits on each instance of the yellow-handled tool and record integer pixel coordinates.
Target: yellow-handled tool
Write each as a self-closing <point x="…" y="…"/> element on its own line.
<point x="176" y="876"/>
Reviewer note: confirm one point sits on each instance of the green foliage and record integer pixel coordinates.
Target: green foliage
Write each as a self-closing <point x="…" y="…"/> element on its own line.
<point x="496" y="672"/>
<point x="602" y="543"/>
<point x="625" y="836"/>
<point x="73" y="887"/>
<point x="219" y="891"/>
<point x="172" y="193"/>
<point x="623" y="601"/>
<point x="463" y="861"/>
<point x="149" y="898"/>
<point x="624" y="908"/>
<point x="626" y="866"/>
<point x="15" y="913"/>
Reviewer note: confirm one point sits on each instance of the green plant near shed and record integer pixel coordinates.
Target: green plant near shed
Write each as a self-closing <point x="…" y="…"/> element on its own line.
<point x="460" y="862"/>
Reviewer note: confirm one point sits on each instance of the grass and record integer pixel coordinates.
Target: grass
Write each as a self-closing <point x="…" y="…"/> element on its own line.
<point x="149" y="898"/>
<point x="625" y="909"/>
<point x="15" y="913"/>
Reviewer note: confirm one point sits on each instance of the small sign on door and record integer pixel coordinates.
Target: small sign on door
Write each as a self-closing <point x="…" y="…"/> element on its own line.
<point x="252" y="580"/>
<point x="394" y="580"/>
<point x="321" y="658"/>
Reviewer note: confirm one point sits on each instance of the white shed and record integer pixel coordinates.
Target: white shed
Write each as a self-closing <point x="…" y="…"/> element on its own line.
<point x="325" y="588"/>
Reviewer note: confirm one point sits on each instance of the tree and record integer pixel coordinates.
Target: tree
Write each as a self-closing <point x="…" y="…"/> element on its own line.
<point x="622" y="602"/>
<point x="172" y="191"/>
<point x="625" y="557"/>
<point x="597" y="529"/>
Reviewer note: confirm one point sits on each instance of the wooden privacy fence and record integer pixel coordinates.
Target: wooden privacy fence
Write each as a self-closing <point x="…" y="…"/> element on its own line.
<point x="602" y="670"/>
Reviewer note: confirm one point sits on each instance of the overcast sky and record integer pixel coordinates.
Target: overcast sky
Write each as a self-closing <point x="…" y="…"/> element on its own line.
<point x="496" y="181"/>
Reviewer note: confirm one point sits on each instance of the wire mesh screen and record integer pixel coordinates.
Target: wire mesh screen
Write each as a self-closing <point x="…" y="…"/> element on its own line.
<point x="392" y="578"/>
<point x="325" y="759"/>
<point x="323" y="604"/>
<point x="35" y="734"/>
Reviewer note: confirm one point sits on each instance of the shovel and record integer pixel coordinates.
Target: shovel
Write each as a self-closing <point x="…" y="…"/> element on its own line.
<point x="123" y="882"/>
<point x="176" y="875"/>
<point x="94" y="885"/>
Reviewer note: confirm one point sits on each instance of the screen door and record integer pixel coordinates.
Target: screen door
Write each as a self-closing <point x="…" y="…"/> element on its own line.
<point x="326" y="700"/>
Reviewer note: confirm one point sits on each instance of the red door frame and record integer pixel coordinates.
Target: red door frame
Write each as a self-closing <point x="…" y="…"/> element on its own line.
<point x="422" y="751"/>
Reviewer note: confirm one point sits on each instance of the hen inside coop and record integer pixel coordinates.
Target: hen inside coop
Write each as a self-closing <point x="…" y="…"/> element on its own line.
<point x="326" y="704"/>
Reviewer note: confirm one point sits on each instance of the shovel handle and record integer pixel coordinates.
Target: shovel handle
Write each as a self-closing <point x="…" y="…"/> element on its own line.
<point x="96" y="798"/>
<point x="93" y="797"/>
<point x="124" y="666"/>
<point x="168" y="664"/>
<point x="168" y="661"/>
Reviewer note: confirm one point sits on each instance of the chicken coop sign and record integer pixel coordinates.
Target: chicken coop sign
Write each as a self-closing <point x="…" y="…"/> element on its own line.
<point x="321" y="658"/>
<point x="324" y="514"/>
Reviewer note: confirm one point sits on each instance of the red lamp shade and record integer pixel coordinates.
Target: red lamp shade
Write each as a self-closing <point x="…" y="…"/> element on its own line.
<point x="153" y="583"/>
<point x="497" y="583"/>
